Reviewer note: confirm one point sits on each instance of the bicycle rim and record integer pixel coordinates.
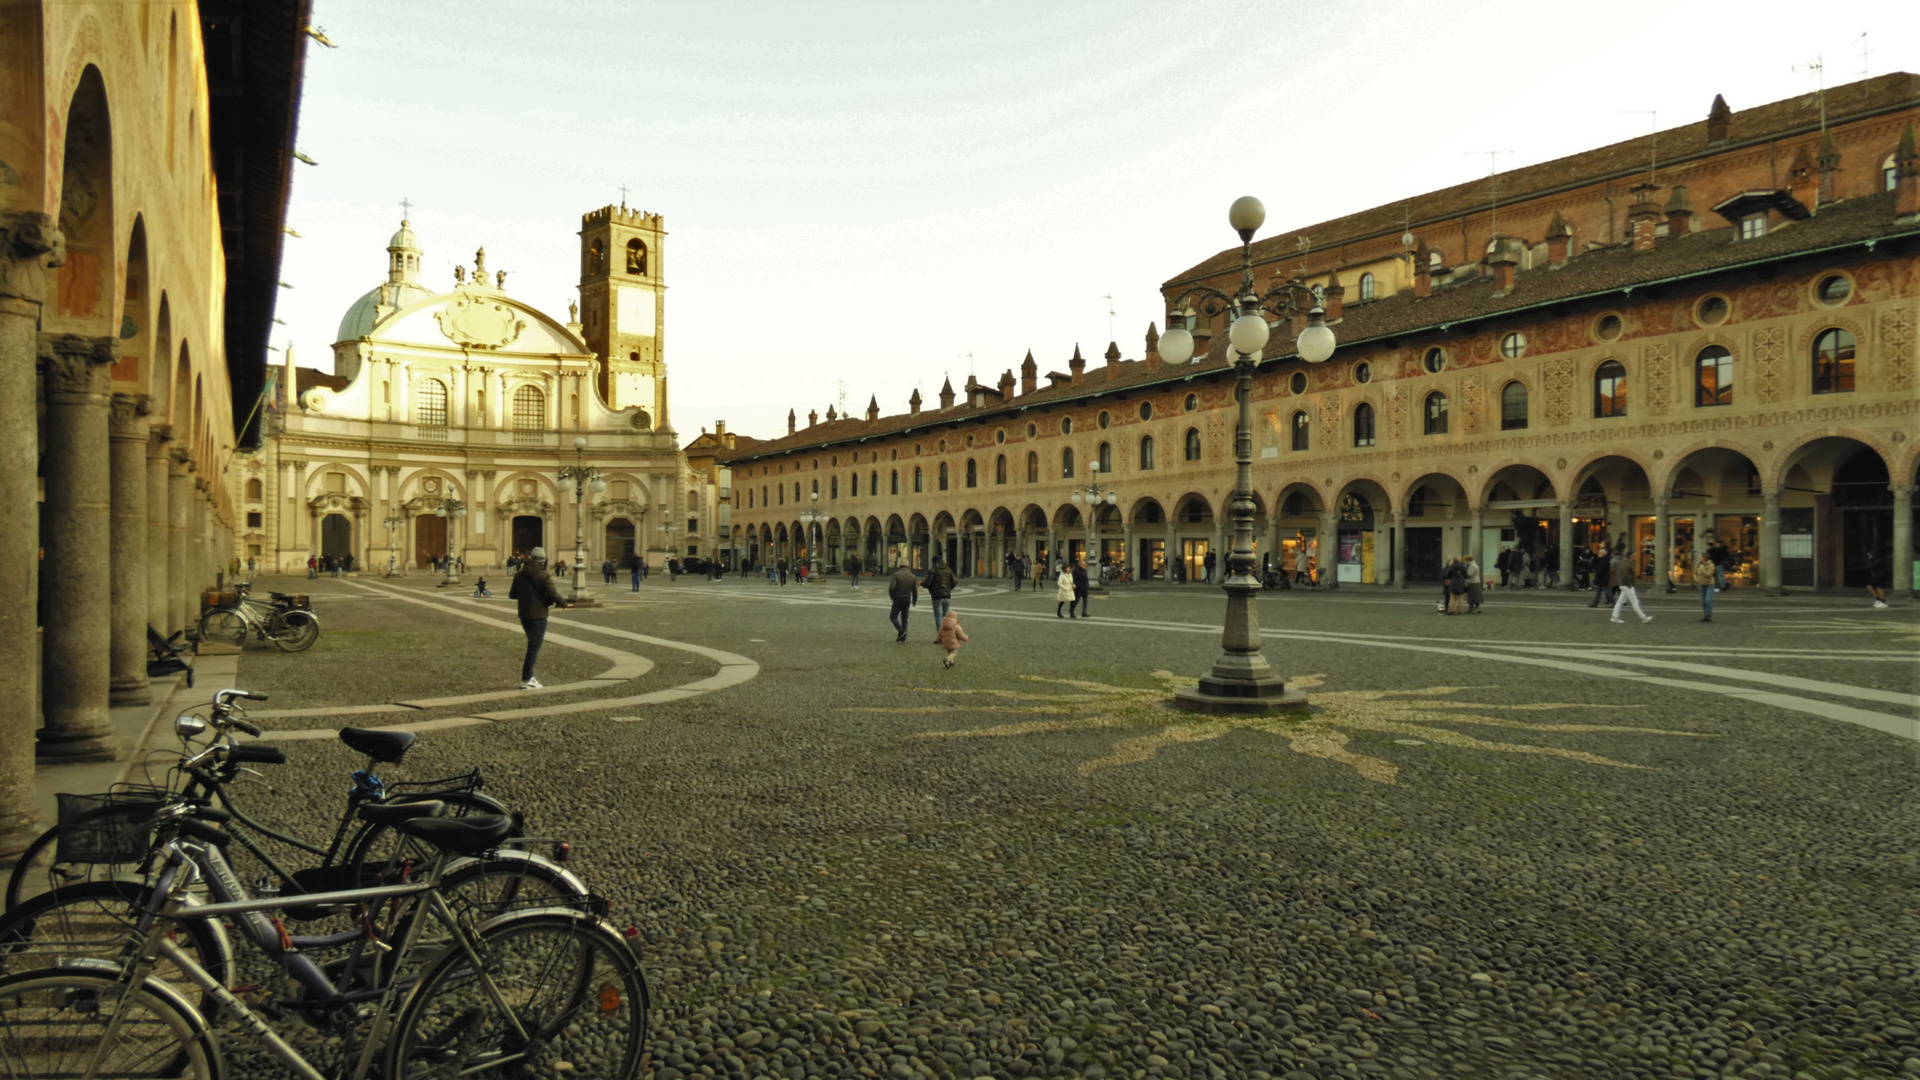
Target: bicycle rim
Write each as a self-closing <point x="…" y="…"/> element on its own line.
<point x="94" y="920"/>
<point x="224" y="628"/>
<point x="54" y="1023"/>
<point x="552" y="988"/>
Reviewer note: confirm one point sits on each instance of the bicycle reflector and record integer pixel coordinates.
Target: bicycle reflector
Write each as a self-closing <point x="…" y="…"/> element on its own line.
<point x="630" y="933"/>
<point x="562" y="851"/>
<point x="609" y="999"/>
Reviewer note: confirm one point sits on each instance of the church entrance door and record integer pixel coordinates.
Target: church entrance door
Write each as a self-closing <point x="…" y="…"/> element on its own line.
<point x="529" y="532"/>
<point x="620" y="542"/>
<point x="429" y="538"/>
<point x="336" y="536"/>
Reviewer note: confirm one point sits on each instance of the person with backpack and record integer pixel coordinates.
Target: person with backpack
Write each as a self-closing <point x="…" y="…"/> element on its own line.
<point x="904" y="591"/>
<point x="534" y="591"/>
<point x="940" y="590"/>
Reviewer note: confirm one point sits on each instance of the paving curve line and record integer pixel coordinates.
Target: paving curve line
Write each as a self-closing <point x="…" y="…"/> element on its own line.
<point x="734" y="669"/>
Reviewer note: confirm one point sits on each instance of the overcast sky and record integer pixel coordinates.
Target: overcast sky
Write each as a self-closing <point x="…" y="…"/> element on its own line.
<point x="860" y="194"/>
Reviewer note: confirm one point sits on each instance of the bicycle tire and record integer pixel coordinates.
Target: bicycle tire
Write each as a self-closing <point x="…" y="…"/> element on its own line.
<point x="374" y="846"/>
<point x="223" y="626"/>
<point x="573" y="992"/>
<point x="46" y="1017"/>
<point x="38" y="870"/>
<point x="293" y="631"/>
<point x="92" y="920"/>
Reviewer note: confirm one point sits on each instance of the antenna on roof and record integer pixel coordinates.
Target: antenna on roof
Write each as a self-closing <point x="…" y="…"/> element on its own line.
<point x="1818" y="66"/>
<point x="969" y="357"/>
<point x="1493" y="188"/>
<point x="1653" y="140"/>
<point x="842" y="384"/>
<point x="1866" y="53"/>
<point x="1108" y="297"/>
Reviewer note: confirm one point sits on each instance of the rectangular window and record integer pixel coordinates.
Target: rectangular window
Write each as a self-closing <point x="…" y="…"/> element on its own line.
<point x="1754" y="227"/>
<point x="693" y="526"/>
<point x="1715" y="386"/>
<point x="253" y="519"/>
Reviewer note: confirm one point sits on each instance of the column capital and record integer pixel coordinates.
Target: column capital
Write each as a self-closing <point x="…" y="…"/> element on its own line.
<point x="1901" y="491"/>
<point x="158" y="436"/>
<point x="179" y="460"/>
<point x="1662" y="500"/>
<point x="75" y="366"/>
<point x="29" y="243"/>
<point x="299" y="466"/>
<point x="126" y="417"/>
<point x="200" y="483"/>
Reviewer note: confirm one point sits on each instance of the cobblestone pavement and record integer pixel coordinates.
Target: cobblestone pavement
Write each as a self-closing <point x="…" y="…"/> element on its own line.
<point x="1526" y="843"/>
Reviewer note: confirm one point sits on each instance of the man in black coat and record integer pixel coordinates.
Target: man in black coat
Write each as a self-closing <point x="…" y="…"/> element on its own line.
<point x="533" y="589"/>
<point x="1081" y="590"/>
<point x="904" y="591"/>
<point x="940" y="591"/>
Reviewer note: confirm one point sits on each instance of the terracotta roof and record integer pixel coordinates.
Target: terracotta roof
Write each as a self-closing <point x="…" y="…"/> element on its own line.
<point x="1678" y="145"/>
<point x="1595" y="273"/>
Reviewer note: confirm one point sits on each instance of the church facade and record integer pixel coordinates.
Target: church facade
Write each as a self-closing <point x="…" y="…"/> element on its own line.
<point x="449" y="413"/>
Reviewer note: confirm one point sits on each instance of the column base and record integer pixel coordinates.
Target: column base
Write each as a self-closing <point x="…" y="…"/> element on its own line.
<point x="455" y="583"/>
<point x="583" y="602"/>
<point x="1218" y="697"/>
<point x="129" y="691"/>
<point x="69" y="751"/>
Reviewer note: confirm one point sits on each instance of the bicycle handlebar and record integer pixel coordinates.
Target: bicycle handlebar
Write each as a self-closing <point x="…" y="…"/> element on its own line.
<point x="263" y="755"/>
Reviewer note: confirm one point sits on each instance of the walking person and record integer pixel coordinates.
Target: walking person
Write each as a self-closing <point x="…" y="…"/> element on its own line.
<point x="1206" y="565"/>
<point x="1878" y="579"/>
<point x="1719" y="554"/>
<point x="1550" y="566"/>
<point x="1703" y="581"/>
<point x="950" y="636"/>
<point x="1503" y="562"/>
<point x="1299" y="560"/>
<point x="1624" y="579"/>
<point x="533" y="589"/>
<point x="606" y="571"/>
<point x="1019" y="571"/>
<point x="904" y="591"/>
<point x="633" y="571"/>
<point x="313" y="568"/>
<point x="940" y="590"/>
<point x="1456" y="577"/>
<point x="1081" y="589"/>
<point x="1062" y="594"/>
<point x="853" y="569"/>
<point x="1039" y="568"/>
<point x="1602" y="576"/>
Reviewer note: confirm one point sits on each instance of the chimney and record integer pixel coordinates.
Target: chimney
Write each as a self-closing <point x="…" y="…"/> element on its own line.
<point x="790" y="421"/>
<point x="1422" y="272"/>
<point x="719" y="428"/>
<point x="946" y="395"/>
<point x="1029" y="374"/>
<point x="873" y="409"/>
<point x="1800" y="177"/>
<point x="1679" y="213"/>
<point x="1336" y="292"/>
<point x="913" y="403"/>
<point x="1906" y="172"/>
<point x="1829" y="165"/>
<point x="1077" y="365"/>
<point x="1113" y="360"/>
<point x="1153" y="347"/>
<point x="830" y="416"/>
<point x="1006" y="385"/>
<point x="813" y="417"/>
<point x="1642" y="216"/>
<point x="1504" y="259"/>
<point x="1559" y="241"/>
<point x="1719" y="120"/>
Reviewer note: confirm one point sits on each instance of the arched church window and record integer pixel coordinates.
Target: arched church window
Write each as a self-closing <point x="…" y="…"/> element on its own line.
<point x="253" y="490"/>
<point x="637" y="258"/>
<point x="596" y="258"/>
<point x="431" y="410"/>
<point x="529" y="415"/>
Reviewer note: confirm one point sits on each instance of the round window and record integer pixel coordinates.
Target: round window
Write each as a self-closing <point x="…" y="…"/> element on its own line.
<point x="1066" y="425"/>
<point x="1000" y="436"/>
<point x="1513" y="346"/>
<point x="1193" y="402"/>
<point x="1363" y="372"/>
<point x="1298" y="383"/>
<point x="1608" y="328"/>
<point x="1435" y="361"/>
<point x="1713" y="311"/>
<point x="1104" y="419"/>
<point x="1834" y="289"/>
<point x="1032" y="430"/>
<point x="1146" y="410"/>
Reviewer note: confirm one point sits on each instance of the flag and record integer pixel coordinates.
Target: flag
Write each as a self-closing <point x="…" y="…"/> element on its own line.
<point x="271" y="392"/>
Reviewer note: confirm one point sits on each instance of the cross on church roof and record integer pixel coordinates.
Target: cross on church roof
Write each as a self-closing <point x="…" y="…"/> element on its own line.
<point x="623" y="196"/>
<point x="406" y="208"/>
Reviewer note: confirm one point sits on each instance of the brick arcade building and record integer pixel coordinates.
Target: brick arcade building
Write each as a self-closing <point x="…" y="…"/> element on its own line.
<point x="1724" y="346"/>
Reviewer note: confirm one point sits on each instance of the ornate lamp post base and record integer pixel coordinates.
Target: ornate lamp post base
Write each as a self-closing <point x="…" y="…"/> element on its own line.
<point x="1241" y="681"/>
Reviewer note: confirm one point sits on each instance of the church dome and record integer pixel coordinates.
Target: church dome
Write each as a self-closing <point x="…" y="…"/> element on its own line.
<point x="404" y="238"/>
<point x="359" y="320"/>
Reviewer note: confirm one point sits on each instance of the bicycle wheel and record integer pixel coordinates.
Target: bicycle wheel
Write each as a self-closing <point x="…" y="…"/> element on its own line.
<point x="93" y="920"/>
<point x="293" y="631"/>
<point x="223" y="626"/>
<point x="375" y="846"/>
<point x="552" y="987"/>
<point x="53" y="1023"/>
<point x="38" y="870"/>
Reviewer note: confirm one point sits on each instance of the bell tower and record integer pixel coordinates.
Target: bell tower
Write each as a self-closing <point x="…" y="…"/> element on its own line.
<point x="623" y="305"/>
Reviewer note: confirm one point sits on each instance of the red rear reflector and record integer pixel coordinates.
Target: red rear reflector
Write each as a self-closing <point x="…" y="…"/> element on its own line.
<point x="609" y="999"/>
<point x="630" y="933"/>
<point x="562" y="851"/>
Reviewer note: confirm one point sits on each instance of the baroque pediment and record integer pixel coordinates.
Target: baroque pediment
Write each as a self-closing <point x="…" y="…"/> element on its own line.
<point x="480" y="322"/>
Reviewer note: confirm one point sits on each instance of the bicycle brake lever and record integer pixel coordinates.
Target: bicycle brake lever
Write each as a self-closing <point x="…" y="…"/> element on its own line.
<point x="257" y="775"/>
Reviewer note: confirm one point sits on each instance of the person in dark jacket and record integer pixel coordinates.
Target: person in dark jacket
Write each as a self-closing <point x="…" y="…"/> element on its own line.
<point x="1081" y="589"/>
<point x="940" y="590"/>
<point x="533" y="589"/>
<point x="853" y="569"/>
<point x="1602" y="576"/>
<point x="904" y="591"/>
<point x="606" y="571"/>
<point x="1456" y="578"/>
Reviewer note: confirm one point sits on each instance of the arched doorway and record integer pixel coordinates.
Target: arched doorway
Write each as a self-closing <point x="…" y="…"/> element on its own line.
<point x="336" y="536"/>
<point x="429" y="538"/>
<point x="529" y="532"/>
<point x="620" y="541"/>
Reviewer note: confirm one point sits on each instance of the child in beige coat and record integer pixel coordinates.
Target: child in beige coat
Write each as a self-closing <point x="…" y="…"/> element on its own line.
<point x="950" y="636"/>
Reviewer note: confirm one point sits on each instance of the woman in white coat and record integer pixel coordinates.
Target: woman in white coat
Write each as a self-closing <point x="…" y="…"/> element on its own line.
<point x="1062" y="592"/>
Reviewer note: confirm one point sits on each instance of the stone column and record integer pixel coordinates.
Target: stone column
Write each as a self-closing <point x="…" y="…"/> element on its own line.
<point x="179" y="510"/>
<point x="1566" y="545"/>
<point x="1903" y="580"/>
<point x="1662" y="533"/>
<point x="1477" y="534"/>
<point x="128" y="568"/>
<point x="76" y="661"/>
<point x="1399" y="549"/>
<point x="1770" y="544"/>
<point x="158" y="436"/>
<point x="1329" y="548"/>
<point x="28" y="243"/>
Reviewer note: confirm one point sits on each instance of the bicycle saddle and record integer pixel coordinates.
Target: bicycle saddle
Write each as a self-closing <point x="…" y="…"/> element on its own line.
<point x="395" y="813"/>
<point x="380" y="744"/>
<point x="459" y="836"/>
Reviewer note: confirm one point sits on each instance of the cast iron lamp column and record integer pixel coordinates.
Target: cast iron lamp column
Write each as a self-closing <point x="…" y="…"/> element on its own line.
<point x="1241" y="680"/>
<point x="452" y="510"/>
<point x="584" y="478"/>
<point x="813" y="516"/>
<point x="1094" y="494"/>
<point x="392" y="522"/>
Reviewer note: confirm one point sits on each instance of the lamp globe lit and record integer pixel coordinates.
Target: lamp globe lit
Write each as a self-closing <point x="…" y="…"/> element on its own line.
<point x="1248" y="334"/>
<point x="1176" y="345"/>
<point x="1316" y="344"/>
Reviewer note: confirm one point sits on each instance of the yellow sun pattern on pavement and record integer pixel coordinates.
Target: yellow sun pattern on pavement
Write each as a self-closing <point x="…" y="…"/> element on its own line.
<point x="1325" y="732"/>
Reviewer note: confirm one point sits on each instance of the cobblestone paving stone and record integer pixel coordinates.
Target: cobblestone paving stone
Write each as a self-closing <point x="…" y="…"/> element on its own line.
<point x="859" y="863"/>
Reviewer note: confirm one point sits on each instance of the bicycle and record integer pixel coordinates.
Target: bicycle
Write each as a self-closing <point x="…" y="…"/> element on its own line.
<point x="284" y="619"/>
<point x="209" y="775"/>
<point x="529" y="992"/>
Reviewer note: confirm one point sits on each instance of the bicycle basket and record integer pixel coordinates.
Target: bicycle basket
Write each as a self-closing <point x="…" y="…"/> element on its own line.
<point x="114" y="827"/>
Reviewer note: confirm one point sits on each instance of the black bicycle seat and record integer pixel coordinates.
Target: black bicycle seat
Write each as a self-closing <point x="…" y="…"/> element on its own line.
<point x="394" y="813"/>
<point x="380" y="744"/>
<point x="459" y="836"/>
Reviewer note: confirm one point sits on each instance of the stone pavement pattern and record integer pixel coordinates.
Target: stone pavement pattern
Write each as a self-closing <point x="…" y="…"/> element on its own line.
<point x="1497" y="849"/>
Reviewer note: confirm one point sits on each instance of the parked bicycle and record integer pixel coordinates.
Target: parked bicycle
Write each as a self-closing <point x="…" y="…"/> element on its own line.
<point x="533" y="992"/>
<point x="286" y="619"/>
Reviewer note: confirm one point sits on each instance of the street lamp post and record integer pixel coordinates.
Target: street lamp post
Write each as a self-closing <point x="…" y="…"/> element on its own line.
<point x="1241" y="680"/>
<point x="666" y="530"/>
<point x="393" y="522"/>
<point x="813" y="516"/>
<point x="584" y="478"/>
<point x="1094" y="495"/>
<point x="452" y="510"/>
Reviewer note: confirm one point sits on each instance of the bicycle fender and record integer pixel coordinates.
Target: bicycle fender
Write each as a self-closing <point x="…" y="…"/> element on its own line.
<point x="506" y="855"/>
